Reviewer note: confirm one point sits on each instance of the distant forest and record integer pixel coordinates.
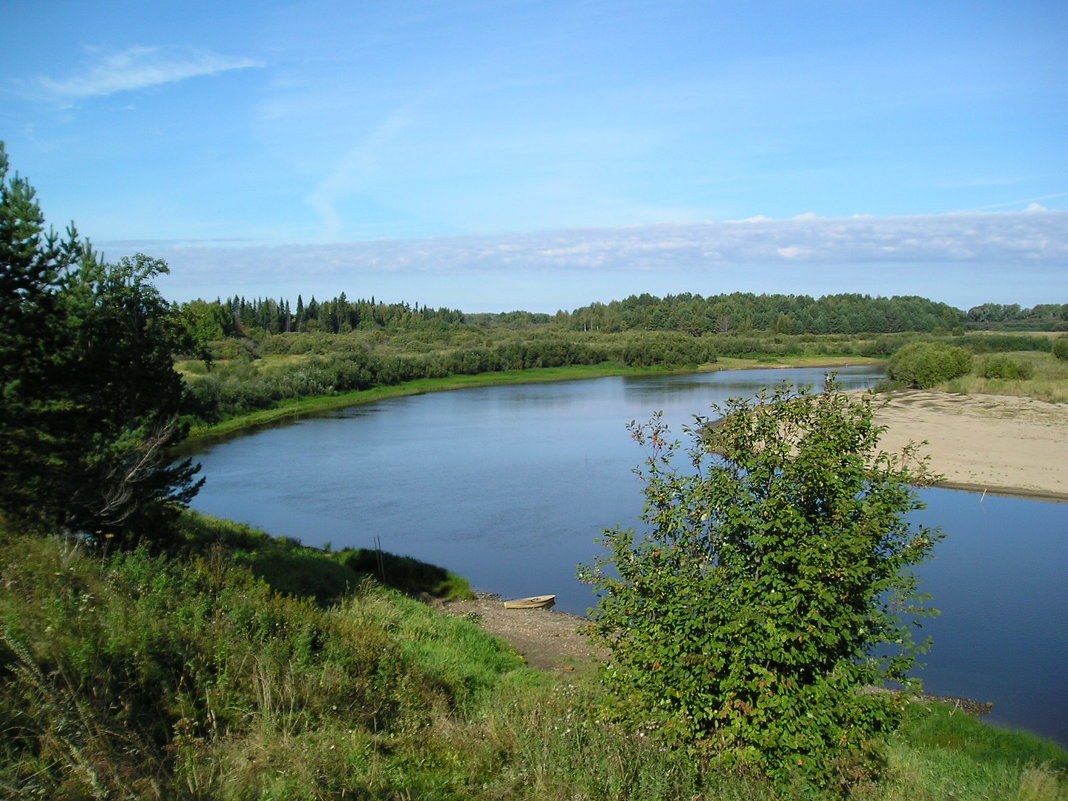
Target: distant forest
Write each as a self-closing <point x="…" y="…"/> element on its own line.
<point x="245" y="355"/>
<point x="737" y="313"/>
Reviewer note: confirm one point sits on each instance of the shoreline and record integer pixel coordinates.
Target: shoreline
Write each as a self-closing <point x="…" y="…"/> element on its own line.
<point x="993" y="444"/>
<point x="1004" y="492"/>
<point x="301" y="407"/>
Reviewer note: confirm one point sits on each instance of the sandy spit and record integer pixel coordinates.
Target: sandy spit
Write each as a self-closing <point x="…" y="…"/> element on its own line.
<point x="985" y="443"/>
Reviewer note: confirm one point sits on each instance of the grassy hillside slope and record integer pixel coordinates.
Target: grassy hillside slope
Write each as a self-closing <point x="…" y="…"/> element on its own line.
<point x="188" y="676"/>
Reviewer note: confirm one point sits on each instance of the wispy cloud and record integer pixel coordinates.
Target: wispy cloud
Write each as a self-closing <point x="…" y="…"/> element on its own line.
<point x="1032" y="203"/>
<point x="139" y="68"/>
<point x="349" y="173"/>
<point x="962" y="259"/>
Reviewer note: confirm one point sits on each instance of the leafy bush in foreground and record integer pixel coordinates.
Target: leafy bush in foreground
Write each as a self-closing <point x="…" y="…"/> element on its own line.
<point x="1060" y="348"/>
<point x="745" y="622"/>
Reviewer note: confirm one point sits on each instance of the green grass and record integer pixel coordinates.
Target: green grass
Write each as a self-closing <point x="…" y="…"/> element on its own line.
<point x="325" y="403"/>
<point x="291" y="568"/>
<point x="944" y="754"/>
<point x="186" y="676"/>
<point x="140" y="676"/>
<point x="1048" y="383"/>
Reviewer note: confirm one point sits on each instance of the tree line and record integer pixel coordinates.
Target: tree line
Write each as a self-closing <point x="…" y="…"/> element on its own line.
<point x="738" y="313"/>
<point x="239" y="316"/>
<point x="744" y="312"/>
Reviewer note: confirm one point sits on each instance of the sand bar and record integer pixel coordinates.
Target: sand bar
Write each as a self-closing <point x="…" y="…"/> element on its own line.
<point x="994" y="443"/>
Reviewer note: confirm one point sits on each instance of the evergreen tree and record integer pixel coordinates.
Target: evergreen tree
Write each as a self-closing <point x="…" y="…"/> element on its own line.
<point x="90" y="395"/>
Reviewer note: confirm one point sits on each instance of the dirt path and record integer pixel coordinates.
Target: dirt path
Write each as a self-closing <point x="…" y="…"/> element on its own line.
<point x="547" y="640"/>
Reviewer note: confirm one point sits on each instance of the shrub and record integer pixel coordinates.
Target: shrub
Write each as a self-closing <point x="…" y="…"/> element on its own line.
<point x="764" y="598"/>
<point x="1060" y="348"/>
<point x="1008" y="369"/>
<point x="923" y="365"/>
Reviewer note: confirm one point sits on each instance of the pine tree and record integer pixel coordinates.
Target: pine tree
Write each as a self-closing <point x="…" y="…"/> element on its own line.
<point x="91" y="400"/>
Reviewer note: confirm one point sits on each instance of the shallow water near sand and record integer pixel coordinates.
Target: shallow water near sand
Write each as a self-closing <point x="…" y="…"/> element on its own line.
<point x="511" y="486"/>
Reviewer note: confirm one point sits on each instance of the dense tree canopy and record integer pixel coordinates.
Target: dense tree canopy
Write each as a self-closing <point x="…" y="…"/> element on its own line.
<point x="745" y="312"/>
<point x="90" y="395"/>
<point x="736" y="314"/>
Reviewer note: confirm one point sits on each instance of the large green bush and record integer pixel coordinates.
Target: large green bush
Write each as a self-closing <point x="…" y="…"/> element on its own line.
<point x="1007" y="369"/>
<point x="761" y="604"/>
<point x="1060" y="348"/>
<point x="925" y="364"/>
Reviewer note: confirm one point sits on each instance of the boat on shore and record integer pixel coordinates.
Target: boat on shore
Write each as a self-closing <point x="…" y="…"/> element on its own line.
<point x="533" y="602"/>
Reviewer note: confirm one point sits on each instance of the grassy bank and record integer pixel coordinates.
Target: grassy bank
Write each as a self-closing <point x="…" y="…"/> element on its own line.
<point x="326" y="403"/>
<point x="190" y="676"/>
<point x="1047" y="377"/>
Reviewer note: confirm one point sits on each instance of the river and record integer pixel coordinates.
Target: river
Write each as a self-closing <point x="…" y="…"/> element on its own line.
<point x="510" y="486"/>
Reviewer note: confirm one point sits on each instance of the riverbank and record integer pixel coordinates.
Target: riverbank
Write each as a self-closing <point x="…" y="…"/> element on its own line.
<point x="984" y="443"/>
<point x="327" y="403"/>
<point x="558" y="642"/>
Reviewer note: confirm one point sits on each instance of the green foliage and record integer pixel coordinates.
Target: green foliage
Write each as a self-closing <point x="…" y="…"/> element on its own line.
<point x="943" y="753"/>
<point x="1001" y="343"/>
<point x="404" y="573"/>
<point x="744" y="312"/>
<point x="1006" y="369"/>
<point x="1060" y="348"/>
<point x="91" y="400"/>
<point x="145" y="677"/>
<point x="923" y="365"/>
<point x="746" y="620"/>
<point x="294" y="569"/>
<point x="1043" y="316"/>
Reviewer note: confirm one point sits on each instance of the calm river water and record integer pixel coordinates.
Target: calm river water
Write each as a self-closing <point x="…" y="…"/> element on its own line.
<point x="511" y="486"/>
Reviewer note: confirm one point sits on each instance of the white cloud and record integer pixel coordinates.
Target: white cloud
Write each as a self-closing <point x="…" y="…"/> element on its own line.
<point x="962" y="259"/>
<point x="1005" y="239"/>
<point x="140" y="68"/>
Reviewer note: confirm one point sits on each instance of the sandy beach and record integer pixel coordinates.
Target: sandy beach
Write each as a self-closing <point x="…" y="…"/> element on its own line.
<point x="993" y="443"/>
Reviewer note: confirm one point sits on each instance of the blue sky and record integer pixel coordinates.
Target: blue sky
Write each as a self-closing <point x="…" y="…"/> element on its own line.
<point x="501" y="154"/>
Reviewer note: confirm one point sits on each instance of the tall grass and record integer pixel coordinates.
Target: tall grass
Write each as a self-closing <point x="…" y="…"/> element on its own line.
<point x="143" y="676"/>
<point x="146" y="676"/>
<point x="291" y="568"/>
<point x="1048" y="381"/>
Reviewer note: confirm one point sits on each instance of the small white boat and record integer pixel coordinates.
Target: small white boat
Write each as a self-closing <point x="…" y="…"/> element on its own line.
<point x="533" y="602"/>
